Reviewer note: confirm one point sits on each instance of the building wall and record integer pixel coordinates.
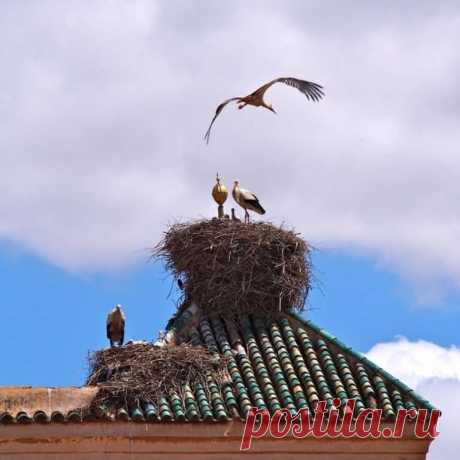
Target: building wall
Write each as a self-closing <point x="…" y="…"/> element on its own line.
<point x="177" y="441"/>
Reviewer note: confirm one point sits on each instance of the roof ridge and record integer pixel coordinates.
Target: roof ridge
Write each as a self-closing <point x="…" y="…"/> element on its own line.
<point x="364" y="359"/>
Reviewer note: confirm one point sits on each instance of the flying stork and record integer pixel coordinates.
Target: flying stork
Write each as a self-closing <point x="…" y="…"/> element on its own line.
<point x="312" y="91"/>
<point x="247" y="200"/>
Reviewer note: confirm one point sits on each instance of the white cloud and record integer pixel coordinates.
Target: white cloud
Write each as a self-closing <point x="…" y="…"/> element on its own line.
<point x="434" y="372"/>
<point x="103" y="108"/>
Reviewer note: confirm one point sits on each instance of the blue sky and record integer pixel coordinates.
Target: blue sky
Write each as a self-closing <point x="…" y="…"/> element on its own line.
<point x="52" y="318"/>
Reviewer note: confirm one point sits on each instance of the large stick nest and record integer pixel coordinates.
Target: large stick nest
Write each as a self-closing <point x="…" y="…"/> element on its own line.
<point x="228" y="267"/>
<point x="143" y="373"/>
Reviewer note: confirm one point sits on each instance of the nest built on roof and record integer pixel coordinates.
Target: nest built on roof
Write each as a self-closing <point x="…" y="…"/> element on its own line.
<point x="228" y="267"/>
<point x="137" y="374"/>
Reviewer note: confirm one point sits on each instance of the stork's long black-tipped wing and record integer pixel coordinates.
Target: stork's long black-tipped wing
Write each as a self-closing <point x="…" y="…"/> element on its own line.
<point x="218" y="110"/>
<point x="256" y="206"/>
<point x="251" y="201"/>
<point x="311" y="90"/>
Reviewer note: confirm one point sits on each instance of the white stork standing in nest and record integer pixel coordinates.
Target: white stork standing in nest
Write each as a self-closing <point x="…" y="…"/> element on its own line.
<point x="247" y="200"/>
<point x="116" y="326"/>
<point x="312" y="91"/>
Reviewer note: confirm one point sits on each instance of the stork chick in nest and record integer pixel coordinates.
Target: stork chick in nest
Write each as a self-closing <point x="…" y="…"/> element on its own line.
<point x="234" y="217"/>
<point x="247" y="200"/>
<point x="116" y="326"/>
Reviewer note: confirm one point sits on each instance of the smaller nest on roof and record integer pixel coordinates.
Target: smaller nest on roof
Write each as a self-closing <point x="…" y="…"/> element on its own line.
<point x="143" y="373"/>
<point x="229" y="267"/>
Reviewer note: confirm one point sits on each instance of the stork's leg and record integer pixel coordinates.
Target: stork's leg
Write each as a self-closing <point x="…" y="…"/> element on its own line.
<point x="242" y="105"/>
<point x="246" y="216"/>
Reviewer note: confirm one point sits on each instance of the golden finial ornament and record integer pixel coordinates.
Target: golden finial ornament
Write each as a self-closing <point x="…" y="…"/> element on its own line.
<point x="219" y="193"/>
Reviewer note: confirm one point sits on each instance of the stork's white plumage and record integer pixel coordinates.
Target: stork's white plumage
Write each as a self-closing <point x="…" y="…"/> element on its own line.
<point x="247" y="200"/>
<point x="116" y="326"/>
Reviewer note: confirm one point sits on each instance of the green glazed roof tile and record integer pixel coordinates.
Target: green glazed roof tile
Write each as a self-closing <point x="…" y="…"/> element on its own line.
<point x="218" y="406"/>
<point x="194" y="337"/>
<point x="137" y="415"/>
<point x="366" y="387"/>
<point x="349" y="381"/>
<point x="225" y="348"/>
<point x="397" y="400"/>
<point x="274" y="366"/>
<point x="203" y="403"/>
<point x="57" y="417"/>
<point x="299" y="363"/>
<point x="331" y="371"/>
<point x="177" y="407"/>
<point x="23" y="417"/>
<point x="151" y="412"/>
<point x="288" y="368"/>
<point x="122" y="414"/>
<point x="251" y="381"/>
<point x="409" y="405"/>
<point x="384" y="397"/>
<point x="40" y="416"/>
<point x="75" y="416"/>
<point x="6" y="418"/>
<point x="164" y="410"/>
<point x="314" y="365"/>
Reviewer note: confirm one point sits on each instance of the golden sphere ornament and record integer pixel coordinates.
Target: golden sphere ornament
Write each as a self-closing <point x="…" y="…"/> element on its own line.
<point x="220" y="194"/>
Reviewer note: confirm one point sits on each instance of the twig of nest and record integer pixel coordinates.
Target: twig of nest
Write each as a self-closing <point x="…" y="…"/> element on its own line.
<point x="143" y="373"/>
<point x="229" y="267"/>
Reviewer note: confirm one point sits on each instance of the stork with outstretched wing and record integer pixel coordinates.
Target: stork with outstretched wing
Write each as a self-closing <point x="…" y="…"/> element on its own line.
<point x="312" y="91"/>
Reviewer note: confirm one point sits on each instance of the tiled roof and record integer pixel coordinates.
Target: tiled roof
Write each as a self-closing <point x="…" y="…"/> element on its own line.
<point x="284" y="363"/>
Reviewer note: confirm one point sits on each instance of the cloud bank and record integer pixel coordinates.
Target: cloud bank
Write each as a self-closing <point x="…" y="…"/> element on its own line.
<point x="103" y="107"/>
<point x="434" y="372"/>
